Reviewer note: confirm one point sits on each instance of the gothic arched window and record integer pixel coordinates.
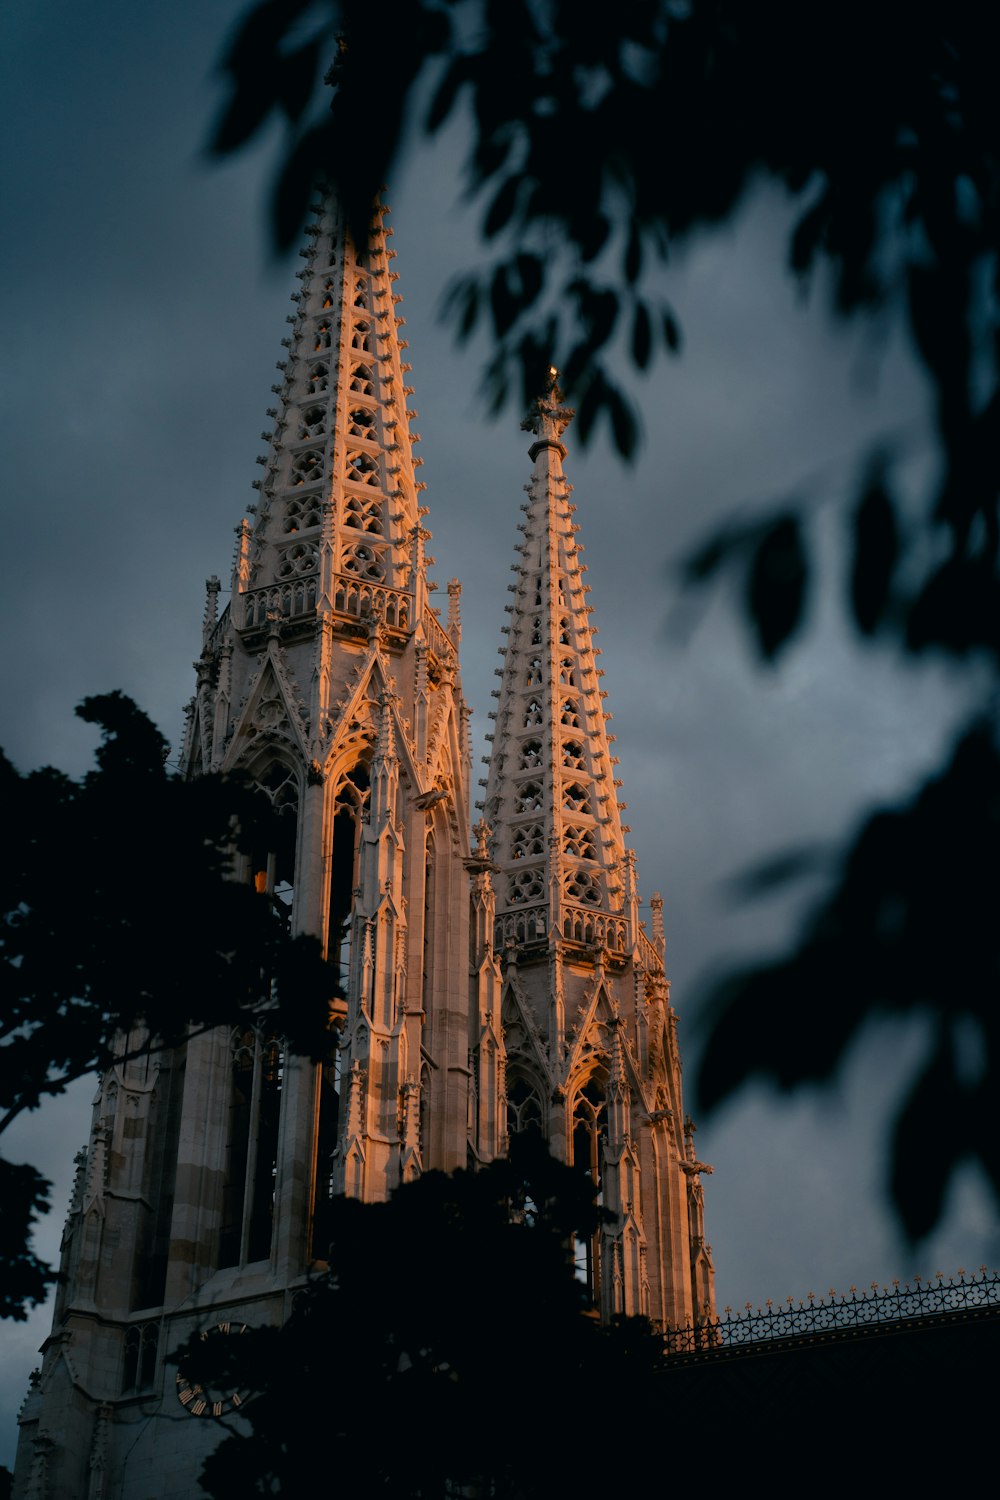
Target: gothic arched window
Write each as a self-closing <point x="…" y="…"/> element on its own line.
<point x="527" y="841"/>
<point x="580" y="843"/>
<point x="570" y="715"/>
<point x="313" y="423"/>
<point x="252" y="1152"/>
<point x="528" y="797"/>
<point x="524" y="1106"/>
<point x="535" y="672"/>
<point x="364" y="512"/>
<point x="361" y="423"/>
<point x="532" y="714"/>
<point x="572" y="755"/>
<point x="589" y="1119"/>
<point x="362" y="380"/>
<point x="531" y="755"/>
<point x="576" y="798"/>
<point x="362" y="468"/>
<point x="139" y="1364"/>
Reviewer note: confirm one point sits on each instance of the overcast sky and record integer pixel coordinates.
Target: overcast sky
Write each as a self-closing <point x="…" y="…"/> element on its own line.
<point x="142" y="315"/>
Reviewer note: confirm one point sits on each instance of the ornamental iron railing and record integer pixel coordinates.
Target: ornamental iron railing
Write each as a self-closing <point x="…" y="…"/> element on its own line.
<point x="896" y="1303"/>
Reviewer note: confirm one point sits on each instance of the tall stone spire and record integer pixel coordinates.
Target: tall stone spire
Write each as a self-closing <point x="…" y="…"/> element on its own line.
<point x="339" y="495"/>
<point x="589" y="1037"/>
<point x="551" y="794"/>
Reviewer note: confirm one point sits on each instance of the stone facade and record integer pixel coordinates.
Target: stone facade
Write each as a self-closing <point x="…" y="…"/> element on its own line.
<point x="497" y="978"/>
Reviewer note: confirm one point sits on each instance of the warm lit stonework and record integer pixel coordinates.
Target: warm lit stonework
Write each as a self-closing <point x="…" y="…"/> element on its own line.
<point x="498" y="977"/>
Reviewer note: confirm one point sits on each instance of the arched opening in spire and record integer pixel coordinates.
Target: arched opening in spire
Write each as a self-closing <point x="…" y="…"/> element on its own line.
<point x="524" y="1101"/>
<point x="588" y="1118"/>
<point x="256" y="1075"/>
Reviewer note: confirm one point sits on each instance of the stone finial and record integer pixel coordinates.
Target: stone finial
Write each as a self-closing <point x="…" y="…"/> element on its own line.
<point x="548" y="418"/>
<point x="659" y="938"/>
<point x="455" y="610"/>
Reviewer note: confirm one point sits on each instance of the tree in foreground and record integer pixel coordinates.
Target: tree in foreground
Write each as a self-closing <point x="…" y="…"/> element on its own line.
<point x="449" y="1349"/>
<point x="594" y="148"/>
<point x="101" y="959"/>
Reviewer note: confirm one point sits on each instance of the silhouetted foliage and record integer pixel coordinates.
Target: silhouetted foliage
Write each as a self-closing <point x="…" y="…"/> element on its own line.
<point x="102" y="956"/>
<point x="446" y="1347"/>
<point x="593" y="148"/>
<point x="909" y="929"/>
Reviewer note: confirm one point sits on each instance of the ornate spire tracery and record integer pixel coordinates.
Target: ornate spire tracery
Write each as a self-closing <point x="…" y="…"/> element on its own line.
<point x="550" y="792"/>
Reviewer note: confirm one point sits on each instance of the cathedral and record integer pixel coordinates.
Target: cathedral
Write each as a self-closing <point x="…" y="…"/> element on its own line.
<point x="497" y="976"/>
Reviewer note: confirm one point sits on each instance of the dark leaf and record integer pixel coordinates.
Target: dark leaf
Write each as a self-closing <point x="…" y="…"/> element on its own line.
<point x="504" y="303"/>
<point x="632" y="261"/>
<point x="531" y="274"/>
<point x="623" y="422"/>
<point x="502" y="207"/>
<point x="642" y="337"/>
<point x="671" y="330"/>
<point x="776" y="586"/>
<point x="778" y="871"/>
<point x="929" y="1141"/>
<point x="876" y="552"/>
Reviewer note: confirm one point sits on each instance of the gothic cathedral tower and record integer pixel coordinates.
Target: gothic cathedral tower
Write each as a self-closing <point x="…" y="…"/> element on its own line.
<point x="539" y="1003"/>
<point x="589" y="1037"/>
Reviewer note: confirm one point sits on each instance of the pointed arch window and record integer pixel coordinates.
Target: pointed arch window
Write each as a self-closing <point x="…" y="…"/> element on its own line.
<point x="329" y="292"/>
<point x="361" y="423"/>
<point x="570" y="715"/>
<point x="532" y="714"/>
<point x="362" y="380"/>
<point x="349" y="813"/>
<point x="536" y="631"/>
<point x="313" y="422"/>
<point x="364" y="513"/>
<point x="576" y="798"/>
<point x="361" y="338"/>
<point x="319" y="378"/>
<point x="300" y="515"/>
<point x="273" y="867"/>
<point x="535" y="672"/>
<point x="142" y="1341"/>
<point x="579" y="843"/>
<point x="589" y="1120"/>
<point x="524" y="1106"/>
<point x="527" y="841"/>
<point x="350" y="806"/>
<point x="323" y="336"/>
<point x="564" y="637"/>
<point x="252" y="1153"/>
<point x="308" y="466"/>
<point x="531" y="755"/>
<point x="573" y="757"/>
<point x="528" y="797"/>
<point x="362" y="468"/>
<point x="567" y="672"/>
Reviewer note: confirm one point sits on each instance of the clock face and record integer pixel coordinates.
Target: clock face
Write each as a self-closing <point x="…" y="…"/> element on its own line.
<point x="201" y="1402"/>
